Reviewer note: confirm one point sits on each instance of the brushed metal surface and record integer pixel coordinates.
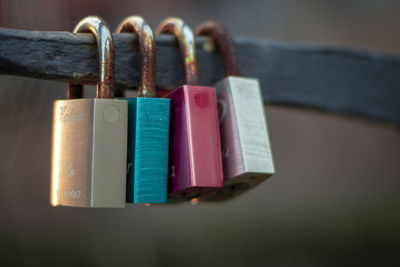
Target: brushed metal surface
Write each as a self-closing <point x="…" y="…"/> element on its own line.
<point x="195" y="159"/>
<point x="89" y="153"/>
<point x="148" y="138"/>
<point x="246" y="149"/>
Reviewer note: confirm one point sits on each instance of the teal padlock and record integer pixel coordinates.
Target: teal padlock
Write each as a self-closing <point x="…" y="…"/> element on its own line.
<point x="148" y="126"/>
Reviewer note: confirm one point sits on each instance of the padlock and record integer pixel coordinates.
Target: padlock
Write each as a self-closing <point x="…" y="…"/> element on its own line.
<point x="195" y="156"/>
<point x="148" y="125"/>
<point x="90" y="136"/>
<point x="246" y="150"/>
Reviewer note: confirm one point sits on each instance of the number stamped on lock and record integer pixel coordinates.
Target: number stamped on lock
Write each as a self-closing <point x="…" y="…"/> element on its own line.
<point x="69" y="194"/>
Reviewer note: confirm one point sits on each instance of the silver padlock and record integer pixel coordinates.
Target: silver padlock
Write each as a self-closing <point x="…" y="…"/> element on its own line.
<point x="90" y="136"/>
<point x="246" y="150"/>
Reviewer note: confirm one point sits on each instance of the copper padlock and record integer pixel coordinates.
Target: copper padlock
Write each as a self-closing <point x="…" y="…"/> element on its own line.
<point x="90" y="136"/>
<point x="246" y="150"/>
<point x="195" y="156"/>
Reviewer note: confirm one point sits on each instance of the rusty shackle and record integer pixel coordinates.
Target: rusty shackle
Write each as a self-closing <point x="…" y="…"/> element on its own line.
<point x="105" y="47"/>
<point x="147" y="47"/>
<point x="187" y="44"/>
<point x="223" y="40"/>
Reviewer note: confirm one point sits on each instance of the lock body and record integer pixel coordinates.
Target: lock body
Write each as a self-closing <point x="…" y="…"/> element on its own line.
<point x="89" y="153"/>
<point x="246" y="151"/>
<point x="195" y="159"/>
<point x="148" y="138"/>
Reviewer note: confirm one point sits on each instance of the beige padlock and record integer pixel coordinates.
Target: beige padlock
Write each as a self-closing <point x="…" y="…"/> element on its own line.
<point x="90" y="136"/>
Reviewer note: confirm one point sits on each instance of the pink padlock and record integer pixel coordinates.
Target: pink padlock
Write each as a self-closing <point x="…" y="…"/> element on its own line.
<point x="195" y="154"/>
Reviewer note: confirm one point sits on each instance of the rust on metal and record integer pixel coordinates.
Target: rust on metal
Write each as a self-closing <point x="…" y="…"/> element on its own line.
<point x="74" y="91"/>
<point x="105" y="46"/>
<point x="187" y="44"/>
<point x="138" y="25"/>
<point x="223" y="40"/>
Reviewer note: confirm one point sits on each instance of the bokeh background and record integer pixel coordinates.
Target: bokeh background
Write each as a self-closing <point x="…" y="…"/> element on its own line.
<point x="333" y="201"/>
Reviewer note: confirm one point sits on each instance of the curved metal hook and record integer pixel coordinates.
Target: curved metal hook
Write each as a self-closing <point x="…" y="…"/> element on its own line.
<point x="138" y="25"/>
<point x="187" y="44"/>
<point x="105" y="46"/>
<point x="222" y="38"/>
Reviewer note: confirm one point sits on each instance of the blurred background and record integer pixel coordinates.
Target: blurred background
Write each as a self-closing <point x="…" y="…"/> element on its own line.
<point x="333" y="201"/>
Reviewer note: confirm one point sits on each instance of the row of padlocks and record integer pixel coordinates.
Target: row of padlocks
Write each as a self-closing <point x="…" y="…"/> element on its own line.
<point x="196" y="142"/>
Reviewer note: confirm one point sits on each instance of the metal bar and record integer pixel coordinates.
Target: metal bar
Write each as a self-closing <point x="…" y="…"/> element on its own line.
<point x="330" y="79"/>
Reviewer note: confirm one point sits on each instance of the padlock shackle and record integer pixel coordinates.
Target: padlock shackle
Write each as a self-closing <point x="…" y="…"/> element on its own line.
<point x="223" y="40"/>
<point x="138" y="25"/>
<point x="74" y="91"/>
<point x="105" y="46"/>
<point x="187" y="44"/>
